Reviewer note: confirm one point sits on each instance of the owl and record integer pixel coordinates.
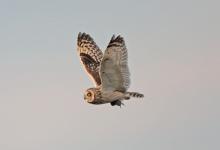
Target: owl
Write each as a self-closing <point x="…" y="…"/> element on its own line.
<point x="109" y="70"/>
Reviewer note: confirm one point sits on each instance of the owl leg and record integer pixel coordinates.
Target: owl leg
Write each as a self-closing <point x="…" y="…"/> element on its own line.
<point x="117" y="102"/>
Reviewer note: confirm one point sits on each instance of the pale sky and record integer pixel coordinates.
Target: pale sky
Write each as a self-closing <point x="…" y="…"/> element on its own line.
<point x="174" y="59"/>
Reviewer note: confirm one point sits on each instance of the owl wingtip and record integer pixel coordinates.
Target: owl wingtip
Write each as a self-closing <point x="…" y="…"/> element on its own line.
<point x="80" y="34"/>
<point x="118" y="38"/>
<point x="113" y="38"/>
<point x="84" y="36"/>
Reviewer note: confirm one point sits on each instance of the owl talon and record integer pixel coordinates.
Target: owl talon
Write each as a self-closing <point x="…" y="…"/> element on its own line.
<point x="117" y="102"/>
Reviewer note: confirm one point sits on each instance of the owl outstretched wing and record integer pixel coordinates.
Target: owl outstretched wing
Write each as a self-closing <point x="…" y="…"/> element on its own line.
<point x="114" y="66"/>
<point x="90" y="56"/>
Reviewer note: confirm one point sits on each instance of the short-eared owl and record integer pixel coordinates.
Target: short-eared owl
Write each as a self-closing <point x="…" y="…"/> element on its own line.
<point x="109" y="71"/>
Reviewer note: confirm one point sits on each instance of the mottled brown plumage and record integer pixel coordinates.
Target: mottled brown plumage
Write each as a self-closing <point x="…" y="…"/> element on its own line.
<point x="109" y="71"/>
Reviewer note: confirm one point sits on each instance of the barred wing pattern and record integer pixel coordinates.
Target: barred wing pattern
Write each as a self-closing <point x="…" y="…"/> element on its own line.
<point x="90" y="56"/>
<point x="114" y="66"/>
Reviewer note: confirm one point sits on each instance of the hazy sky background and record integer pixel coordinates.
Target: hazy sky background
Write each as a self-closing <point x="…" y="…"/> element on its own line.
<point x="174" y="59"/>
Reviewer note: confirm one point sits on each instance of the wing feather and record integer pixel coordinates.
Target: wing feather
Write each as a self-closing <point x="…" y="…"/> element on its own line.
<point x="90" y="56"/>
<point x="114" y="69"/>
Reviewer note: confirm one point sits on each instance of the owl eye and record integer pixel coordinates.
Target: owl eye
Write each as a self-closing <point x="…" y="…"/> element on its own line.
<point x="89" y="94"/>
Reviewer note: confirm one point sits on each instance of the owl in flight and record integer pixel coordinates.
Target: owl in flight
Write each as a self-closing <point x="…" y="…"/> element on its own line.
<point x="109" y="71"/>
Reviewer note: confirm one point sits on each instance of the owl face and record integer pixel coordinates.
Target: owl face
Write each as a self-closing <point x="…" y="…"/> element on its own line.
<point x="93" y="95"/>
<point x="89" y="95"/>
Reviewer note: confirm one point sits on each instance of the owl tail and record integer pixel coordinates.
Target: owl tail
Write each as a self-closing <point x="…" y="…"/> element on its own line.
<point x="135" y="94"/>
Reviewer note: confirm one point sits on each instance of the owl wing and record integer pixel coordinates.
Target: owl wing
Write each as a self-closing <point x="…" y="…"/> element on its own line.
<point x="90" y="56"/>
<point x="114" y="66"/>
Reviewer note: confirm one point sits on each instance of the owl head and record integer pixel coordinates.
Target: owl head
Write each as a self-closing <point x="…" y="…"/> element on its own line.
<point x="91" y="95"/>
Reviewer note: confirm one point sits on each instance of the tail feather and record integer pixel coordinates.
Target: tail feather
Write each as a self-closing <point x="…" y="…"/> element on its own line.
<point x="136" y="94"/>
